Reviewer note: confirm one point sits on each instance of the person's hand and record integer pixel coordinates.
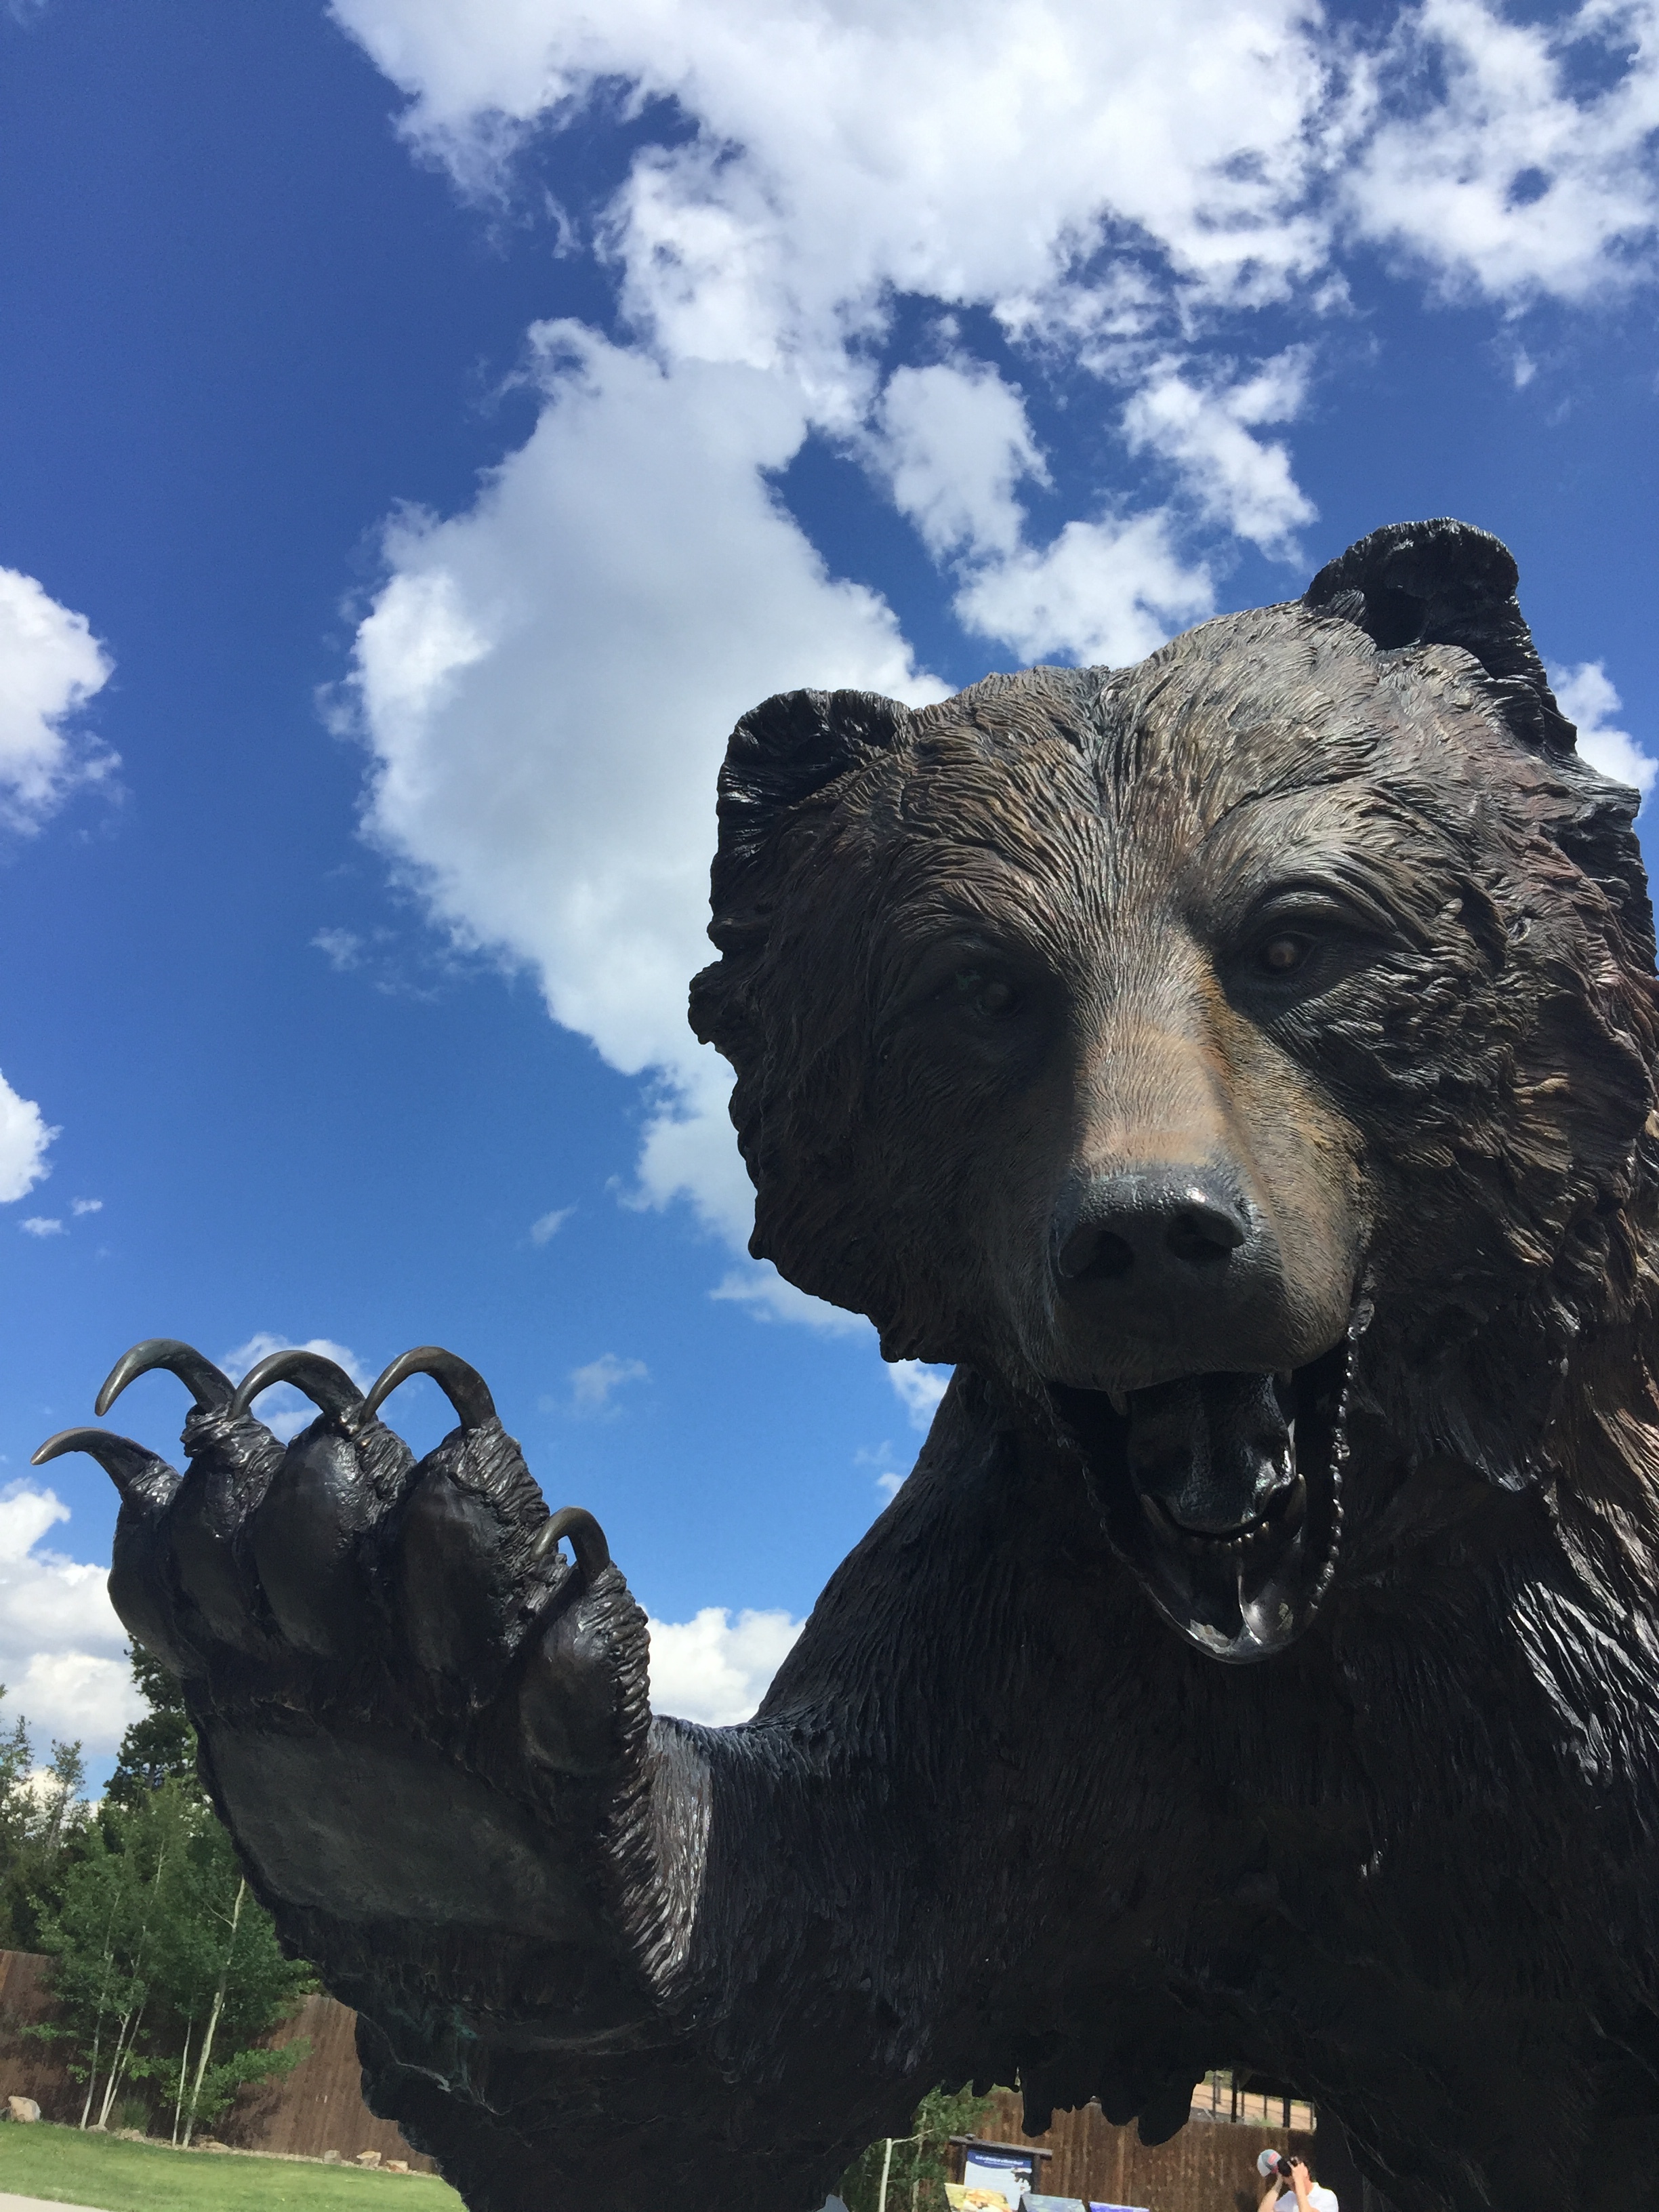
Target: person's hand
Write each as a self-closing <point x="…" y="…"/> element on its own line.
<point x="1301" y="2179"/>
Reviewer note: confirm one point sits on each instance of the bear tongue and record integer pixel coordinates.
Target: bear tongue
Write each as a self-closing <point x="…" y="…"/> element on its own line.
<point x="1213" y="1451"/>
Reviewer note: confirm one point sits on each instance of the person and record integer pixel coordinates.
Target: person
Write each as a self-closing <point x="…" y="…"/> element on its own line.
<point x="1300" y="2182"/>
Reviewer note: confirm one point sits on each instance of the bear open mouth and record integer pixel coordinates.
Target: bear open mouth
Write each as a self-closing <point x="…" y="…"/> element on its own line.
<point x="1223" y="1494"/>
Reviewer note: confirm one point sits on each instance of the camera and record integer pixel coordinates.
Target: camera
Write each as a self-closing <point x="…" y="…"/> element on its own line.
<point x="1282" y="2167"/>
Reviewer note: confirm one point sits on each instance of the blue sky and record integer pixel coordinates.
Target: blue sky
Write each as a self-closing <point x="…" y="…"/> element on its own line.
<point x="426" y="424"/>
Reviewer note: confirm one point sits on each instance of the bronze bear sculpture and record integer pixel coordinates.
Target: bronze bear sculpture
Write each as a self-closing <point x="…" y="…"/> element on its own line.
<point x="1241" y="1068"/>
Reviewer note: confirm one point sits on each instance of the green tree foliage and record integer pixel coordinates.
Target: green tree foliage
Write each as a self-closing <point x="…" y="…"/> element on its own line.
<point x="43" y="1825"/>
<point x="165" y="1966"/>
<point x="916" y="2166"/>
<point x="160" y="1745"/>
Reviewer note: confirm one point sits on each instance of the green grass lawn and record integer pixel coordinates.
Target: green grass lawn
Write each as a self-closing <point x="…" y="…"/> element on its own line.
<point x="73" y="2168"/>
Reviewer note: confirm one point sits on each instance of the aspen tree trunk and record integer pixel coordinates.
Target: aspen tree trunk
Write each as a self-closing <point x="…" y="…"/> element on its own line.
<point x="98" y="2024"/>
<point x="213" y="2017"/>
<point x="178" y="2101"/>
<point x="118" y="2065"/>
<point x="887" y="2167"/>
<point x="122" y="2057"/>
<point x="114" y="2066"/>
<point x="97" y="2036"/>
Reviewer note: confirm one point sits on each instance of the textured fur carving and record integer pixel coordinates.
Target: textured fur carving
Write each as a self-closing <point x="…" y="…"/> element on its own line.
<point x="1241" y="1068"/>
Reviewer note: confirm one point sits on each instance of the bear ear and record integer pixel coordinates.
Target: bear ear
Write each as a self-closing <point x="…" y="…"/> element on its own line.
<point x="782" y="753"/>
<point x="1447" y="583"/>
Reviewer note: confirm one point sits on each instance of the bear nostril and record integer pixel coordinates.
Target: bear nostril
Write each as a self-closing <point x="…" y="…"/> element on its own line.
<point x="1096" y="1254"/>
<point x="1140" y="1230"/>
<point x="1204" y="1231"/>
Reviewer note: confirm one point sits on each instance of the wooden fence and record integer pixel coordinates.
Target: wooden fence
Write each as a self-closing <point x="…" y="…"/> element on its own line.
<point x="1210" y="2166"/>
<point x="317" y="2107"/>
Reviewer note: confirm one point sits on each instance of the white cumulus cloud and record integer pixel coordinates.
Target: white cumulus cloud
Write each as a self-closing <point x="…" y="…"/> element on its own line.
<point x="1208" y="431"/>
<point x="593" y="1387"/>
<point x="955" y="445"/>
<point x="24" y="1137"/>
<point x="548" y="682"/>
<point x="953" y="441"/>
<point x="757" y="1286"/>
<point x="1586" y="696"/>
<point x="986" y="153"/>
<point x="1108" y="592"/>
<point x="967" y="152"/>
<point x="341" y="948"/>
<point x="49" y="665"/>
<point x="920" y="1389"/>
<point x="1529" y="166"/>
<point x="61" y="1644"/>
<point x="716" y="1670"/>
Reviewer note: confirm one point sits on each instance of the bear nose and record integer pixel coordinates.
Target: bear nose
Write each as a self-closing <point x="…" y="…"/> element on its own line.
<point x="1167" y="1224"/>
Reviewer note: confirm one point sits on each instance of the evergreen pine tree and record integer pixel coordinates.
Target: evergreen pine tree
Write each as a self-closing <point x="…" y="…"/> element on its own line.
<point x="160" y="1745"/>
<point x="43" y="1825"/>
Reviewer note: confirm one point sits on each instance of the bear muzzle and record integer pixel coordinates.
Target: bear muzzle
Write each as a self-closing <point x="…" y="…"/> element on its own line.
<point x="1223" y="1494"/>
<point x="1165" y="1271"/>
<point x="1207" y="1399"/>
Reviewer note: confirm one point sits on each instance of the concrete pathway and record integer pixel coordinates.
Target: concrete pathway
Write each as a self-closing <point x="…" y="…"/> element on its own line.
<point x="10" y="2203"/>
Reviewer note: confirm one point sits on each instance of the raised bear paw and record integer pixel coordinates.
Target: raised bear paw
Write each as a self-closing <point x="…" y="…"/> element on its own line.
<point x="423" y="1725"/>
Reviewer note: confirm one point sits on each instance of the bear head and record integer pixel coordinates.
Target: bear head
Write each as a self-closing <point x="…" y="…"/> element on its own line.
<point x="1231" y="1057"/>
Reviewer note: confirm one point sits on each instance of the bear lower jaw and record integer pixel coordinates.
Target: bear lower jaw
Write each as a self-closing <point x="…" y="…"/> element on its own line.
<point x="1224" y="1495"/>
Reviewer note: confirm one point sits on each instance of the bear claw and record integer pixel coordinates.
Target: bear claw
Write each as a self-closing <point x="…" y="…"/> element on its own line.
<point x="465" y="1387"/>
<point x="322" y="1381"/>
<point x="586" y="1537"/>
<point x="130" y="1467"/>
<point x="148" y="1487"/>
<point x="206" y="1384"/>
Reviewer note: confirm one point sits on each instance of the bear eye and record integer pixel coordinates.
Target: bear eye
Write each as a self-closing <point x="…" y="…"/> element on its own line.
<point x="986" y="995"/>
<point x="1284" y="954"/>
